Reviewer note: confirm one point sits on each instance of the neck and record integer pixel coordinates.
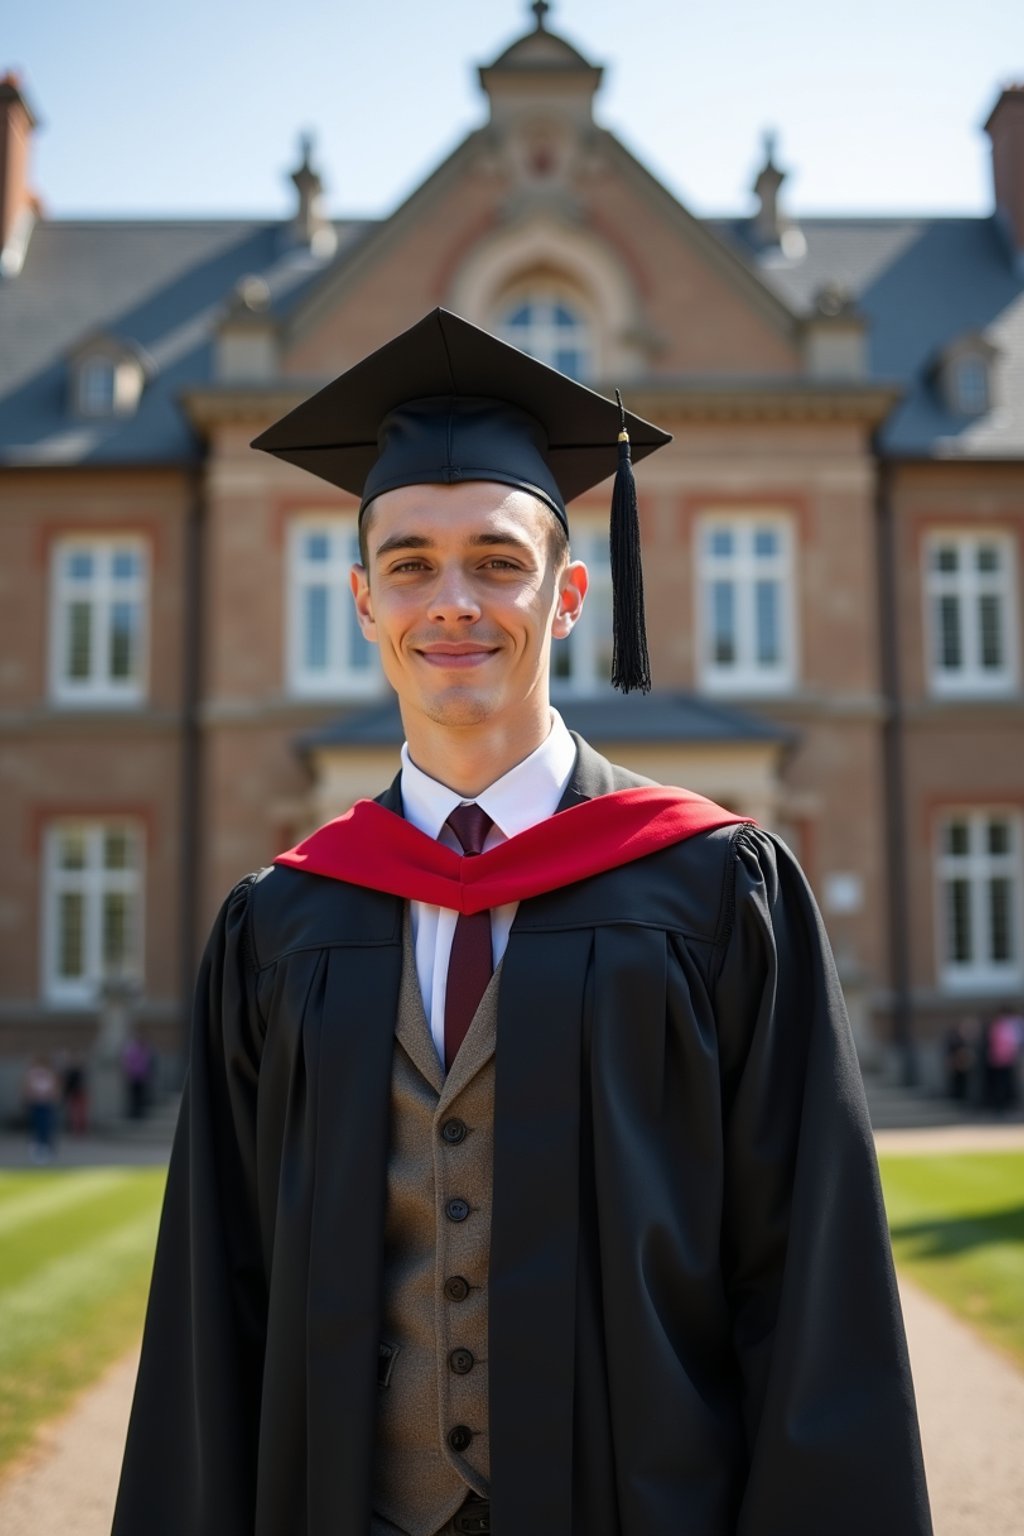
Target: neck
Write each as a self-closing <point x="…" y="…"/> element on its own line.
<point x="468" y="758"/>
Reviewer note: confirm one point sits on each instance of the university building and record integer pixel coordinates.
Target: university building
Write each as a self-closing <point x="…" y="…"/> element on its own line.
<point x="833" y="544"/>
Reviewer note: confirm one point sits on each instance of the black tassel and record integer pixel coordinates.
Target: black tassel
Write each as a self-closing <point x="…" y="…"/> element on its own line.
<point x="631" y="667"/>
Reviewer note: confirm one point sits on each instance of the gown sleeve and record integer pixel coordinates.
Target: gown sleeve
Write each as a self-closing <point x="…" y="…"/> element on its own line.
<point x="827" y="1395"/>
<point x="190" y="1458"/>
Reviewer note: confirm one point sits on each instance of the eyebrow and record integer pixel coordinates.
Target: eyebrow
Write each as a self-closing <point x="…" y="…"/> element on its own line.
<point x="402" y="541"/>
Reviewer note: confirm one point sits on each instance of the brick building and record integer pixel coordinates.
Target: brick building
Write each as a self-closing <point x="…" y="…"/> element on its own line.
<point x="833" y="543"/>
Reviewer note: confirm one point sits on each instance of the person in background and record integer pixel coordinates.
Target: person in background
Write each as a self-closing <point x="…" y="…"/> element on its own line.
<point x="41" y="1092"/>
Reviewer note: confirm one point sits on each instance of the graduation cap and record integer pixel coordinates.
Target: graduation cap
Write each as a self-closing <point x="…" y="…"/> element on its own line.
<point x="445" y="402"/>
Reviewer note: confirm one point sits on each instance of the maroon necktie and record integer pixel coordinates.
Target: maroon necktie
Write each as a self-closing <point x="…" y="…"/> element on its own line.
<point x="471" y="962"/>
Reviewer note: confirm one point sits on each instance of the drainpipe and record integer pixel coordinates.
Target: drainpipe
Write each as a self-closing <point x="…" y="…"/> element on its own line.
<point x="893" y="735"/>
<point x="190" y="824"/>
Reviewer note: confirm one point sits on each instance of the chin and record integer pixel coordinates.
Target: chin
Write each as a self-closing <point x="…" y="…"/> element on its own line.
<point x="460" y="707"/>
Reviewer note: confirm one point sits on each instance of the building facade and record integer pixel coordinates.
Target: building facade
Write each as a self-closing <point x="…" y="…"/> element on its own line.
<point x="832" y="545"/>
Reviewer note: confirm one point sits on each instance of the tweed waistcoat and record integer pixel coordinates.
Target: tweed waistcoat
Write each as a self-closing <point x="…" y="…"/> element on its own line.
<point x="432" y="1427"/>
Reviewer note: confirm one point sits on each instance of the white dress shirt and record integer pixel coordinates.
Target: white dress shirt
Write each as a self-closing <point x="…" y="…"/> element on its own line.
<point x="528" y="793"/>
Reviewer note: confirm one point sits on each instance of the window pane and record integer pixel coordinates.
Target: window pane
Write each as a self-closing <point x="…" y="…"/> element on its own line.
<point x="520" y="317"/>
<point x="118" y="849"/>
<point x="1000" y="902"/>
<point x="947" y="558"/>
<point x="79" y="658"/>
<point x="314" y="649"/>
<point x="360" y="652"/>
<point x="999" y="837"/>
<point x="561" y="658"/>
<point x="950" y="651"/>
<point x="960" y="921"/>
<point x="125" y="564"/>
<point x="569" y="360"/>
<point x="720" y="541"/>
<point x="564" y="318"/>
<point x="71" y="848"/>
<point x="123" y="627"/>
<point x="116" y="930"/>
<point x="991" y="630"/>
<point x="766" y="600"/>
<point x="766" y="542"/>
<point x="723" y="622"/>
<point x="79" y="565"/>
<point x="98" y="386"/>
<point x="70" y="935"/>
<point x="988" y="557"/>
<point x="316" y="546"/>
<point x="957" y="837"/>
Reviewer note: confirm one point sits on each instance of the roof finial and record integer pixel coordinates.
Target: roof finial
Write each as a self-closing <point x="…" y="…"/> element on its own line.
<point x="540" y="9"/>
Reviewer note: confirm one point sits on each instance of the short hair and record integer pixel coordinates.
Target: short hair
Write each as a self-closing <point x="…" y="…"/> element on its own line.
<point x="558" y="538"/>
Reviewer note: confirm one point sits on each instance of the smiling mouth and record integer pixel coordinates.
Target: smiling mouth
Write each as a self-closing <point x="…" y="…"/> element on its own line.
<point x="447" y="656"/>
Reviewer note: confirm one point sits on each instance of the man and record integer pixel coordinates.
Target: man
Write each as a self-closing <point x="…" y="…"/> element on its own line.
<point x="523" y="1182"/>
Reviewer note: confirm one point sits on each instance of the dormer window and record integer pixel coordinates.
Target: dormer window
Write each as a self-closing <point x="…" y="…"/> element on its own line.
<point x="965" y="375"/>
<point x="97" y="387"/>
<point x="107" y="377"/>
<point x="970" y="385"/>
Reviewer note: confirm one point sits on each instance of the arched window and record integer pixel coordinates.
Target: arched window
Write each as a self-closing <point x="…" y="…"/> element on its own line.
<point x="551" y="328"/>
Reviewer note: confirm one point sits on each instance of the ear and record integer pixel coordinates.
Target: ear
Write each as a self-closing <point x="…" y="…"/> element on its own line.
<point x="572" y="589"/>
<point x="359" y="581"/>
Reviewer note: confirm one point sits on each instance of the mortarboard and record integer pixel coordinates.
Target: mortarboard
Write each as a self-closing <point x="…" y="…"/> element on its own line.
<point x="446" y="401"/>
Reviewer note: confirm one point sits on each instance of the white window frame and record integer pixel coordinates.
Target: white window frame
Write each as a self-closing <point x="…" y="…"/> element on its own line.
<point x="746" y="675"/>
<point x="543" y="338"/>
<point x="978" y="866"/>
<point x="101" y="591"/>
<point x="969" y="584"/>
<point x="94" y="882"/>
<point x="340" y="679"/>
<point x="589" y="673"/>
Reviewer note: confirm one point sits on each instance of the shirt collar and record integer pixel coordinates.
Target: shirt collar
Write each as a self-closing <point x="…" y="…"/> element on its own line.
<point x="528" y="793"/>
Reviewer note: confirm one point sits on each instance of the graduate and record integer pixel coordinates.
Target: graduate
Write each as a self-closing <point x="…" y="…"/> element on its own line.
<point x="523" y="1182"/>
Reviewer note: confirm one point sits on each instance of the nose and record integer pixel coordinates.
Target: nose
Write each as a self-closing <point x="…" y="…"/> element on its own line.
<point x="453" y="598"/>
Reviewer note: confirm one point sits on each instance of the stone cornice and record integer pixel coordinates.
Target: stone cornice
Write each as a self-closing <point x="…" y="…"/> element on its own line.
<point x="779" y="399"/>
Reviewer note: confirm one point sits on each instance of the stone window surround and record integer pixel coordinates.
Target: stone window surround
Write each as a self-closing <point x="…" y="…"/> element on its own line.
<point x="747" y="675"/>
<point x="102" y="590"/>
<point x="978" y="867"/>
<point x="94" y="882"/>
<point x="968" y="585"/>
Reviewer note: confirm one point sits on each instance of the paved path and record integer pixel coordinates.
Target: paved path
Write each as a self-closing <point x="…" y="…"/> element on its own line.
<point x="971" y="1404"/>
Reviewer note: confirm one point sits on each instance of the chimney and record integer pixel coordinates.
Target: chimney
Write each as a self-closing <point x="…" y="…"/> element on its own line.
<point x="1005" y="127"/>
<point x="18" y="206"/>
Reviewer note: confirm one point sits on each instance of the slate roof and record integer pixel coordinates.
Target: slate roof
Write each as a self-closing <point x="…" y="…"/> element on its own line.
<point x="157" y="284"/>
<point x="921" y="283"/>
<point x="659" y="717"/>
<point x="161" y="285"/>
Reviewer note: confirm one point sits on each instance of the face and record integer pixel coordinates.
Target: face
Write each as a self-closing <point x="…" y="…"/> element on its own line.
<point x="462" y="596"/>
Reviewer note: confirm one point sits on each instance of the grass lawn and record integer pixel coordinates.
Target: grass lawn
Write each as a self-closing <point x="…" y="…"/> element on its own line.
<point x="76" y="1250"/>
<point x="957" y="1226"/>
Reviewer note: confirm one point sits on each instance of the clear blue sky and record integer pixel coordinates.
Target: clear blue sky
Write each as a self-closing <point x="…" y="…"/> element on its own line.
<point x="195" y="106"/>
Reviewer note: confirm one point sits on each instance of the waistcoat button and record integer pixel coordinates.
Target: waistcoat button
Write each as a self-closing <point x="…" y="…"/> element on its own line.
<point x="453" y="1131"/>
<point x="456" y="1289"/>
<point x="461" y="1361"/>
<point x="459" y="1437"/>
<point x="457" y="1210"/>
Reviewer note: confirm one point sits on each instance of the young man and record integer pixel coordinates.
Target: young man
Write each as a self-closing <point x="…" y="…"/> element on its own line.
<point x="523" y="1182"/>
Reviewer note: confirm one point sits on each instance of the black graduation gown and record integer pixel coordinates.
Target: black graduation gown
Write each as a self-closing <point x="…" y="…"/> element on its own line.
<point x="694" y="1324"/>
